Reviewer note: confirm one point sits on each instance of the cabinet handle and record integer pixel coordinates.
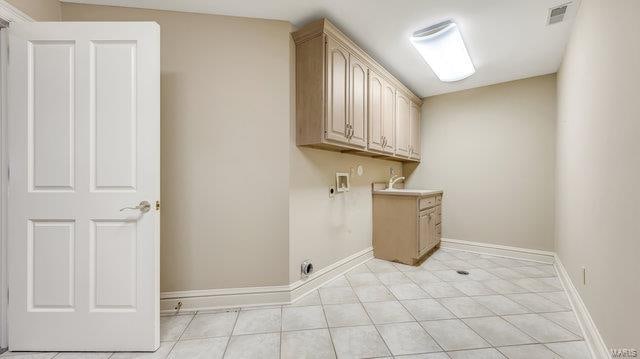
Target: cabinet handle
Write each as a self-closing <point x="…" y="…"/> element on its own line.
<point x="347" y="131"/>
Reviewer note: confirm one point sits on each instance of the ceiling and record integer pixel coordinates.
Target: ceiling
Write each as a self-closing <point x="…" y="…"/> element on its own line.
<point x="507" y="39"/>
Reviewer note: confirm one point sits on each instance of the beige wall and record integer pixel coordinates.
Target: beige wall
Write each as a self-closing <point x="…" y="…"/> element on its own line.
<point x="326" y="230"/>
<point x="492" y="151"/>
<point x="239" y="215"/>
<point x="39" y="10"/>
<point x="225" y="146"/>
<point x="322" y="229"/>
<point x="598" y="203"/>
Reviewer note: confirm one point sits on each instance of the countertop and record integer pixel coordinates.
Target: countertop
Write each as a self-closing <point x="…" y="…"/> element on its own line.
<point x="409" y="192"/>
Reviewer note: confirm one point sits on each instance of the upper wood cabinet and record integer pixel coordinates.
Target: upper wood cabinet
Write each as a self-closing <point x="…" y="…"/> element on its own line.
<point x="403" y="125"/>
<point x="389" y="117"/>
<point x="346" y="101"/>
<point x="414" y="130"/>
<point x="382" y="100"/>
<point x="337" y="123"/>
<point x="358" y="102"/>
<point x="376" y="112"/>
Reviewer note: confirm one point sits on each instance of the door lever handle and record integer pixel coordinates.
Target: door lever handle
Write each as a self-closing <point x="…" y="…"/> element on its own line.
<point x="143" y="207"/>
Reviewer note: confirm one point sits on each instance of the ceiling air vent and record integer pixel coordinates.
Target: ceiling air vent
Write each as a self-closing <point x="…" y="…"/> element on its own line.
<point x="556" y="14"/>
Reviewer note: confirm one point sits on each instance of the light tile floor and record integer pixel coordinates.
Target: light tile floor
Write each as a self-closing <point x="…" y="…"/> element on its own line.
<point x="504" y="308"/>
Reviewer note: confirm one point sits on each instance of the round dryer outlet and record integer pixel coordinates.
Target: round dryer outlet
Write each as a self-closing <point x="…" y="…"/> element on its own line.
<point x="306" y="268"/>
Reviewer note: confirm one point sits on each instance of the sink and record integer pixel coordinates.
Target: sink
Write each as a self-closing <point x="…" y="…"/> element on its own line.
<point x="407" y="191"/>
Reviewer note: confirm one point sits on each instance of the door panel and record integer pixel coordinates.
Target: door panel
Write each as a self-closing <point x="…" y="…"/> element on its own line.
<point x="51" y="87"/>
<point x="51" y="265"/>
<point x="358" y="101"/>
<point x="113" y="123"/>
<point x="402" y="125"/>
<point x="414" y="148"/>
<point x="113" y="265"/>
<point x="337" y="91"/>
<point x="84" y="116"/>
<point x="389" y="117"/>
<point x="376" y="111"/>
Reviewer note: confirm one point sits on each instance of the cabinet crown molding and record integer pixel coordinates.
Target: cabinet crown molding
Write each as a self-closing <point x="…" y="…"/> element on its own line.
<point x="348" y="102"/>
<point x="324" y="26"/>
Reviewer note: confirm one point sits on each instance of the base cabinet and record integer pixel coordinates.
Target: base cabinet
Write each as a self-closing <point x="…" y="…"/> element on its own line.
<point x="406" y="228"/>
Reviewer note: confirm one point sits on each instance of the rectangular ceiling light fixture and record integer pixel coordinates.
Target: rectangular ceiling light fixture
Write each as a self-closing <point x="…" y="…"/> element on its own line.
<point x="442" y="47"/>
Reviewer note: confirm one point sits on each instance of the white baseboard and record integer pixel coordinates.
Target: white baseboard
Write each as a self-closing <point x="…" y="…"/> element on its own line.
<point x="499" y="250"/>
<point x="304" y="286"/>
<point x="592" y="336"/>
<point x="193" y="300"/>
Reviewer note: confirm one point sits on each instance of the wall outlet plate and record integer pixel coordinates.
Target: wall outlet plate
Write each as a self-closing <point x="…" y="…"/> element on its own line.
<point x="342" y="182"/>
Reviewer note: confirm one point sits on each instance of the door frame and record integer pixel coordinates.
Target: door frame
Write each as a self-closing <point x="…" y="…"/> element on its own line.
<point x="8" y="14"/>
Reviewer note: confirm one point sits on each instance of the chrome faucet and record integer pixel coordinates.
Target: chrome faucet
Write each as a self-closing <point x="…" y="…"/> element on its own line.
<point x="393" y="180"/>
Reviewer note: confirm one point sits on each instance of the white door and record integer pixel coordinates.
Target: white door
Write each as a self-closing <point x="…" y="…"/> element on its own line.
<point x="84" y="142"/>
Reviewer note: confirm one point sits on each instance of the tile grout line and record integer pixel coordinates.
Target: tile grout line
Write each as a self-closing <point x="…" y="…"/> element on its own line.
<point x="281" y="330"/>
<point x="369" y="316"/>
<point x="324" y="312"/>
<point x="435" y="299"/>
<point x="464" y="295"/>
<point x="374" y="324"/>
<point x="457" y="318"/>
<point x="418" y="322"/>
<point x="173" y="346"/>
<point x="387" y="287"/>
<point x="235" y="322"/>
<point x="471" y="297"/>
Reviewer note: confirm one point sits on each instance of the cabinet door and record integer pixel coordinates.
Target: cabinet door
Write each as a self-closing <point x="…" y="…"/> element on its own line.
<point x="389" y="117"/>
<point x="414" y="119"/>
<point x="337" y="78"/>
<point x="376" y="112"/>
<point x="402" y="125"/>
<point x="427" y="231"/>
<point x="358" y="101"/>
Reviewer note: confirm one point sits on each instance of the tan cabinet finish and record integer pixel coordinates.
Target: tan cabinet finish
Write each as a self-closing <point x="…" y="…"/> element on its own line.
<point x="345" y="100"/>
<point x="382" y="100"/>
<point x="337" y="126"/>
<point x="358" y="72"/>
<point x="376" y="112"/>
<point x="389" y="118"/>
<point x="403" y="125"/>
<point x="406" y="228"/>
<point x="414" y="130"/>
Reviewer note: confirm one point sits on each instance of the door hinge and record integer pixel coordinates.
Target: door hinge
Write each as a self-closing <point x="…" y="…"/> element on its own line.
<point x="157" y="205"/>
